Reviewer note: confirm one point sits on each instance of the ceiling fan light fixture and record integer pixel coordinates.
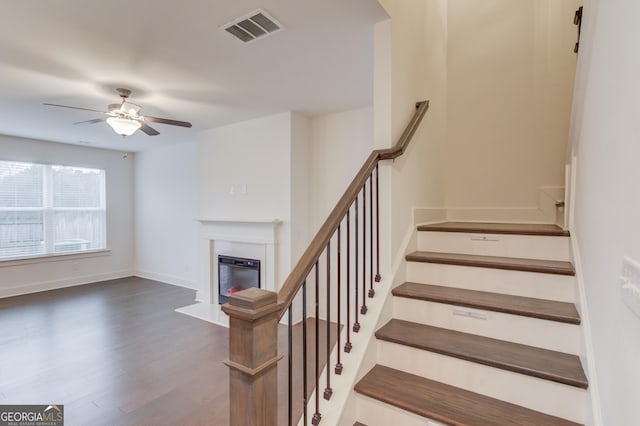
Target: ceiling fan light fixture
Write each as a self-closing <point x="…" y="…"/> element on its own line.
<point x="123" y="126"/>
<point x="130" y="109"/>
<point x="124" y="117"/>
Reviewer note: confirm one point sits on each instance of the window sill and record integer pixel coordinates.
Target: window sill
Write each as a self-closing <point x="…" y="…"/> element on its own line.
<point x="54" y="257"/>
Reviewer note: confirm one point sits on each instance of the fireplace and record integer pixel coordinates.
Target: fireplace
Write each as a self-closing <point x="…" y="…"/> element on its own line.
<point x="236" y="274"/>
<point x="251" y="240"/>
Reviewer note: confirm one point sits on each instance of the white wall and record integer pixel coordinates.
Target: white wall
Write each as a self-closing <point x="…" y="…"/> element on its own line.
<point x="341" y="142"/>
<point x="255" y="155"/>
<point x="166" y="230"/>
<point x="606" y="141"/>
<point x="301" y="194"/>
<point x="26" y="278"/>
<point x="410" y="55"/>
<point x="510" y="68"/>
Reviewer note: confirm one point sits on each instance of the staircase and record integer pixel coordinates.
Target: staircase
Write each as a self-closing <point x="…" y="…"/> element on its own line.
<point x="484" y="332"/>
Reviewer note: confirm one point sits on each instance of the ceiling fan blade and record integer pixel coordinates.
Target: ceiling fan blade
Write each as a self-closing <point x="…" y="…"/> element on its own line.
<point x="94" y="121"/>
<point x="167" y="121"/>
<point x="148" y="129"/>
<point x="72" y="107"/>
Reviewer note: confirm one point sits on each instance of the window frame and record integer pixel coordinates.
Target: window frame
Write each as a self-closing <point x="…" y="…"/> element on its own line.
<point x="48" y="211"/>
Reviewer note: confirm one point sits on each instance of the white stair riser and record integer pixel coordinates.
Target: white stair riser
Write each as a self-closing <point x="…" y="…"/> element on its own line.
<point x="541" y="333"/>
<point x="521" y="246"/>
<point x="517" y="283"/>
<point x="372" y="412"/>
<point x="531" y="392"/>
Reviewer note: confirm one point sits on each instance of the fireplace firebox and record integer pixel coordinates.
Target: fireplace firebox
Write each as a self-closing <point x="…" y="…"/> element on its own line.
<point x="236" y="274"/>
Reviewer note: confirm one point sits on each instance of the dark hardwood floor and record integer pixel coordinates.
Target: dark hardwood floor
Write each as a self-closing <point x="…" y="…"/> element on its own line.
<point x="116" y="353"/>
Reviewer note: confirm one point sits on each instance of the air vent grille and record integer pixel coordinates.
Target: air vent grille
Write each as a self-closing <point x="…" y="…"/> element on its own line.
<point x="253" y="26"/>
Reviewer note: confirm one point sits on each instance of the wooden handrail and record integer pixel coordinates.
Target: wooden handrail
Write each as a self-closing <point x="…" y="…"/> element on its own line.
<point x="302" y="269"/>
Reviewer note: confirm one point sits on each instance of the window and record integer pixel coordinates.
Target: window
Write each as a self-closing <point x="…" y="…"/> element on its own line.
<point x="47" y="209"/>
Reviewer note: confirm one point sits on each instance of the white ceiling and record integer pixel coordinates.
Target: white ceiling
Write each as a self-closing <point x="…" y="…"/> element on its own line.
<point x="178" y="63"/>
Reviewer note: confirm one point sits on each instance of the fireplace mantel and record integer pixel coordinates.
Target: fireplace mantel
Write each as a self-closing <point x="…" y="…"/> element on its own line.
<point x="240" y="229"/>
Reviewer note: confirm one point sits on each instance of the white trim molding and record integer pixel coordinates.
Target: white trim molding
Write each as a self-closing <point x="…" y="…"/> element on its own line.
<point x="54" y="257"/>
<point x="167" y="279"/>
<point x="587" y="354"/>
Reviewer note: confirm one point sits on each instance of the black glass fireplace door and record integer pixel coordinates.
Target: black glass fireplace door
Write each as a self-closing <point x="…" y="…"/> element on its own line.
<point x="236" y="274"/>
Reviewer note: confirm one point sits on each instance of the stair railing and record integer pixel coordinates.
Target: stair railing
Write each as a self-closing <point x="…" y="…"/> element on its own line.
<point x="254" y="314"/>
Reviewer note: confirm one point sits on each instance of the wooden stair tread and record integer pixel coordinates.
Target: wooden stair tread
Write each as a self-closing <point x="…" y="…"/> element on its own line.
<point x="494" y="262"/>
<point x="517" y="305"/>
<point x="445" y="403"/>
<point x="497" y="228"/>
<point x="537" y="362"/>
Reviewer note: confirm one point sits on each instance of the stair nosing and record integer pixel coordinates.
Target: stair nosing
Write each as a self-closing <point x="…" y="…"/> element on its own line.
<point x="459" y="398"/>
<point x="513" y="366"/>
<point x="494" y="262"/>
<point x="494" y="228"/>
<point x="496" y="307"/>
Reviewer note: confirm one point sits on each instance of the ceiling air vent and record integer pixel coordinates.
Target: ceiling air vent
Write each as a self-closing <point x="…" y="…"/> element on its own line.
<point x="253" y="26"/>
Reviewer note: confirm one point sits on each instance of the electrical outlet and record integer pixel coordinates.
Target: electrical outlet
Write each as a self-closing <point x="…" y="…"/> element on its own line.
<point x="630" y="280"/>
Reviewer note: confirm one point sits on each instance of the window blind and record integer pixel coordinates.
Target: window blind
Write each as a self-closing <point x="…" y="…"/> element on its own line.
<point x="48" y="209"/>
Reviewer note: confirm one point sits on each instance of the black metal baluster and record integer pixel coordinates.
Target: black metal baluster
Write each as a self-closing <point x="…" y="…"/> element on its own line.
<point x="338" y="363"/>
<point x="372" y="292"/>
<point x="347" y="345"/>
<point x="304" y="350"/>
<point x="317" y="416"/>
<point x="363" y="309"/>
<point x="356" y="324"/>
<point x="377" y="228"/>
<point x="328" y="391"/>
<point x="290" y="333"/>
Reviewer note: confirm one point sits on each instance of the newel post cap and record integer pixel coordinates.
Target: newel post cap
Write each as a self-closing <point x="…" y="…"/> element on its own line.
<point x="251" y="304"/>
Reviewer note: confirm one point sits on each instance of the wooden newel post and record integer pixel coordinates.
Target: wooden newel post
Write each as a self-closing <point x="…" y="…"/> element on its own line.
<point x="253" y="357"/>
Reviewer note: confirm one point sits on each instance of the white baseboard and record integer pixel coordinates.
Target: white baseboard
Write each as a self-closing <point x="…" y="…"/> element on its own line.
<point x="587" y="355"/>
<point x="424" y="215"/>
<point x="166" y="278"/>
<point x="62" y="283"/>
<point x="201" y="299"/>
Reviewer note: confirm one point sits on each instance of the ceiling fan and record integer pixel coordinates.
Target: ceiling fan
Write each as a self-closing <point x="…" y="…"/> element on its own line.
<point x="124" y="118"/>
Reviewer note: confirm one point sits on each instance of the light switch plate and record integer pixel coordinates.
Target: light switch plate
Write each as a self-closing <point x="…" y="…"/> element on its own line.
<point x="630" y="280"/>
